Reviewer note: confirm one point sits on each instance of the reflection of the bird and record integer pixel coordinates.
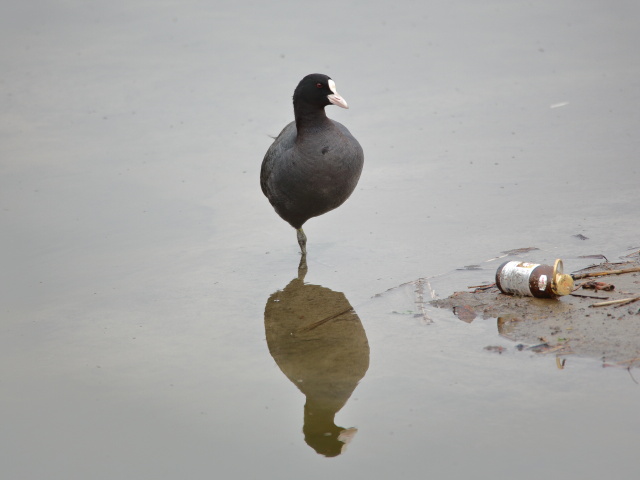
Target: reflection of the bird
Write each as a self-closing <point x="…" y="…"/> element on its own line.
<point x="319" y="343"/>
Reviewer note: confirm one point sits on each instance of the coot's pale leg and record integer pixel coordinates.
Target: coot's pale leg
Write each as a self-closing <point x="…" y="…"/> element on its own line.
<point x="302" y="241"/>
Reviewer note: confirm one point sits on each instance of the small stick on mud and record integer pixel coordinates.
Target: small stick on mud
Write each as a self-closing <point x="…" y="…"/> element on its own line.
<point x="588" y="296"/>
<point x="602" y="274"/>
<point x="481" y="288"/>
<point x="616" y="302"/>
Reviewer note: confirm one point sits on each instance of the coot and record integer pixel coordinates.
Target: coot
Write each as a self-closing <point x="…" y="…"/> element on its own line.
<point x="313" y="166"/>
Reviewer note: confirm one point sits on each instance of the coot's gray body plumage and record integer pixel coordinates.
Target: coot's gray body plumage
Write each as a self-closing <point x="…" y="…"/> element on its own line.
<point x="314" y="164"/>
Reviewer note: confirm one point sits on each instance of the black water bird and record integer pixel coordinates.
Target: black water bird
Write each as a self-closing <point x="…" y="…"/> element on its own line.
<point x="314" y="164"/>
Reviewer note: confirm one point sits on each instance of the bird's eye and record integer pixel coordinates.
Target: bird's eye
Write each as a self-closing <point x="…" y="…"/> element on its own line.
<point x="319" y="85"/>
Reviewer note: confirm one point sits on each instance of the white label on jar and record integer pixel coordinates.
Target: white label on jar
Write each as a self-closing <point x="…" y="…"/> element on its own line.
<point x="514" y="277"/>
<point x="542" y="283"/>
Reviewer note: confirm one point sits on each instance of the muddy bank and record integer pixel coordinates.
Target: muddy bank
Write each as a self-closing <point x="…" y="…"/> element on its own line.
<point x="585" y="323"/>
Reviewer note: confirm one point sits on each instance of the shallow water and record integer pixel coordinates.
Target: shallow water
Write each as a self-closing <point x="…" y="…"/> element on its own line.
<point x="139" y="255"/>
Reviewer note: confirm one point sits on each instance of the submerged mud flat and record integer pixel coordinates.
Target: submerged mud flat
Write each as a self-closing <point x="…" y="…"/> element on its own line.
<point x="600" y="319"/>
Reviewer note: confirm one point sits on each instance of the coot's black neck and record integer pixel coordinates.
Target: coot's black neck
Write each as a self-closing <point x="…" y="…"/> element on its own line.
<point x="309" y="117"/>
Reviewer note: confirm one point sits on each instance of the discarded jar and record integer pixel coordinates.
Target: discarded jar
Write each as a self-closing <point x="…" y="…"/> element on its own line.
<point x="533" y="279"/>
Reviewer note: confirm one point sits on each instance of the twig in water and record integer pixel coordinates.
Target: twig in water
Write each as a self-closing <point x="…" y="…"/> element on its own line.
<point x="325" y="320"/>
<point x="602" y="274"/>
<point x="419" y="291"/>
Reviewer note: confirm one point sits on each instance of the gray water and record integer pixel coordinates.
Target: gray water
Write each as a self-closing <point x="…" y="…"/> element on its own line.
<point x="142" y="264"/>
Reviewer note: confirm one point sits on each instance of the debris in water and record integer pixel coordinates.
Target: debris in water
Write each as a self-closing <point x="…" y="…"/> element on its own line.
<point x="516" y="251"/>
<point x="533" y="279"/>
<point x="495" y="348"/>
<point x="594" y="256"/>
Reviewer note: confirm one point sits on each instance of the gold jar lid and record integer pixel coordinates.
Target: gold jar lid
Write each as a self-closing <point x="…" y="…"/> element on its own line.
<point x="561" y="283"/>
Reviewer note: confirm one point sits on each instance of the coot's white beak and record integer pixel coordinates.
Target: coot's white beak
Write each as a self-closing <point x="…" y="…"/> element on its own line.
<point x="334" y="97"/>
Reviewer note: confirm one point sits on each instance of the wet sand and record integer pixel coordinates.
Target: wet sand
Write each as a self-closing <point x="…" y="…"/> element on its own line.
<point x="577" y="324"/>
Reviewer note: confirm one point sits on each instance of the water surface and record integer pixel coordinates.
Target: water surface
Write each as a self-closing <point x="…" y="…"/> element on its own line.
<point x="139" y="255"/>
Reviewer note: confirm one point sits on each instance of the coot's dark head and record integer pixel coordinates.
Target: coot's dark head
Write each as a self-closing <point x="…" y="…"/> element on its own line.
<point x="317" y="90"/>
